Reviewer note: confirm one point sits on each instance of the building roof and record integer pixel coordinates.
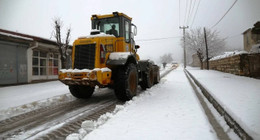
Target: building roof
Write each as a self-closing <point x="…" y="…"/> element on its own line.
<point x="256" y="28"/>
<point x="114" y="14"/>
<point x="25" y="37"/>
<point x="247" y="31"/>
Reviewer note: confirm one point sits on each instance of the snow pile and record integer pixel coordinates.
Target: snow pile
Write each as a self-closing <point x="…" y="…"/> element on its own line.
<point x="85" y="70"/>
<point x="119" y="55"/>
<point x="228" y="54"/>
<point x="143" y="117"/>
<point x="14" y="111"/>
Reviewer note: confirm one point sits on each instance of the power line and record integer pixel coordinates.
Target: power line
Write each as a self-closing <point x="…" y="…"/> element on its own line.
<point x="195" y="14"/>
<point x="188" y="16"/>
<point x="185" y="12"/>
<point x="225" y="14"/>
<point x="179" y="12"/>
<point x="152" y="39"/>
<point x="233" y="36"/>
<point x="191" y="11"/>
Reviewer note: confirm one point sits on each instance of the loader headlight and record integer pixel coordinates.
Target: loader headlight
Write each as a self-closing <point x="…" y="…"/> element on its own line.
<point x="93" y="75"/>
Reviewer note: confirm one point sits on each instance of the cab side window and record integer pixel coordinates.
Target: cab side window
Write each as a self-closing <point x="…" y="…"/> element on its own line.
<point x="127" y="33"/>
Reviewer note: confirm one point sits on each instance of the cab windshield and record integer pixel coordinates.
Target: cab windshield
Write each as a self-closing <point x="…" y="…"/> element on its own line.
<point x="108" y="26"/>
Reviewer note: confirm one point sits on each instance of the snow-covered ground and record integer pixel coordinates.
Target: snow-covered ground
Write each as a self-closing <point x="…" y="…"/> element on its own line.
<point x="238" y="95"/>
<point x="19" y="99"/>
<point x="169" y="110"/>
<point x="15" y="100"/>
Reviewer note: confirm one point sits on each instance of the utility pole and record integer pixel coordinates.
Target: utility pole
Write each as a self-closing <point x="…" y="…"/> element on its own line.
<point x="207" y="54"/>
<point x="184" y="48"/>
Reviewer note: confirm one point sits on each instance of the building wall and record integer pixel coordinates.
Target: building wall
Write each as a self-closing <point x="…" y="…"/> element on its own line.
<point x="195" y="61"/>
<point x="250" y="39"/>
<point x="20" y="64"/>
<point x="244" y="65"/>
<point x="13" y="63"/>
<point x="45" y="62"/>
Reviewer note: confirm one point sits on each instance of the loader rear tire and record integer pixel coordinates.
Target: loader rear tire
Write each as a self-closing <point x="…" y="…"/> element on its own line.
<point x="157" y="76"/>
<point x="148" y="78"/>
<point x="126" y="82"/>
<point x="80" y="91"/>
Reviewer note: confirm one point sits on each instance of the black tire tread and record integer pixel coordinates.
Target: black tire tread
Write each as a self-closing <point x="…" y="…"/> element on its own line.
<point x="122" y="91"/>
<point x="80" y="91"/>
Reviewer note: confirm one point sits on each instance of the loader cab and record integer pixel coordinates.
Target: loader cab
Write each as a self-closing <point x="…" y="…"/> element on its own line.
<point x="117" y="24"/>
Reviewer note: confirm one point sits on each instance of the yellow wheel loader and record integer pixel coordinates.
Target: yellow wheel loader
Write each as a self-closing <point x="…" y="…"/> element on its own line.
<point x="108" y="58"/>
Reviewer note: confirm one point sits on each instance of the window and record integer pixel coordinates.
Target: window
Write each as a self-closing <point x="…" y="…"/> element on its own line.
<point x="108" y="26"/>
<point x="45" y="63"/>
<point x="127" y="31"/>
<point x="53" y="64"/>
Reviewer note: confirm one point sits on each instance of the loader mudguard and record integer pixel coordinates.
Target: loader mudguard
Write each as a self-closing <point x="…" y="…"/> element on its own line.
<point x="121" y="60"/>
<point x="144" y="64"/>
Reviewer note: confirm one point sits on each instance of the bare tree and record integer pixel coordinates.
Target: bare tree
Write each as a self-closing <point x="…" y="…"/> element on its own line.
<point x="195" y="43"/>
<point x="166" y="58"/>
<point x="63" y="45"/>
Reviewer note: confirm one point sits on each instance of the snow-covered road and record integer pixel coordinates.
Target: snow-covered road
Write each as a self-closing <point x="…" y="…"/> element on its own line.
<point x="169" y="110"/>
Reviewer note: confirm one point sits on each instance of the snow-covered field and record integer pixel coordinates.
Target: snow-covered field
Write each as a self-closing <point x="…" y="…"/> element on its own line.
<point x="238" y="95"/>
<point x="169" y="110"/>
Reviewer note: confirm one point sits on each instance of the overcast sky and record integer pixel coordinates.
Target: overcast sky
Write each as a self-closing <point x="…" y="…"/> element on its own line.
<point x="155" y="19"/>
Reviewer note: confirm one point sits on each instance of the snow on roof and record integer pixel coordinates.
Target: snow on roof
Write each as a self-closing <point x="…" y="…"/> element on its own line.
<point x="118" y="56"/>
<point x="16" y="36"/>
<point x="228" y="54"/>
<point x="97" y="35"/>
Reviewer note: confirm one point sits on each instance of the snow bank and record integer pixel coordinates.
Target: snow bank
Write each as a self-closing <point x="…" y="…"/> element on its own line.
<point x="238" y="95"/>
<point x="118" y="56"/>
<point x="228" y="54"/>
<point x="15" y="100"/>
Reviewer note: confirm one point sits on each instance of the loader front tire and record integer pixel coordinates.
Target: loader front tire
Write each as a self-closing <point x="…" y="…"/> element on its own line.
<point x="126" y="82"/>
<point x="80" y="91"/>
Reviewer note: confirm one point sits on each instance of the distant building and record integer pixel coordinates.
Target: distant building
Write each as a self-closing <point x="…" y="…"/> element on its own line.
<point x="251" y="37"/>
<point x="195" y="61"/>
<point x="25" y="58"/>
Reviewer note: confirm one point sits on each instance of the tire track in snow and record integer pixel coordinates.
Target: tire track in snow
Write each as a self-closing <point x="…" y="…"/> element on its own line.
<point x="43" y="123"/>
